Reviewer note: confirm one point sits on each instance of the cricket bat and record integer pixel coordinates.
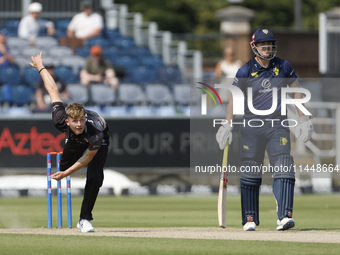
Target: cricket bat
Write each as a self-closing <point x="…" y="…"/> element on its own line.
<point x="222" y="193"/>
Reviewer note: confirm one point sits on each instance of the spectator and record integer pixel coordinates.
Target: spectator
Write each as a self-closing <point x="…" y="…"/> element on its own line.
<point x="41" y="96"/>
<point x="227" y="67"/>
<point x="5" y="56"/>
<point x="31" y="25"/>
<point x="97" y="69"/>
<point x="225" y="71"/>
<point x="86" y="24"/>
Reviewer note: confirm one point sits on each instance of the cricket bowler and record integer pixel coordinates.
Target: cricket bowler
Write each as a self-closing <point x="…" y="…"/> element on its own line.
<point x="86" y="143"/>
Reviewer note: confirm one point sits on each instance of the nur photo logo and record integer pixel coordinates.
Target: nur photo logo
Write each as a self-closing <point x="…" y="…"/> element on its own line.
<point x="204" y="97"/>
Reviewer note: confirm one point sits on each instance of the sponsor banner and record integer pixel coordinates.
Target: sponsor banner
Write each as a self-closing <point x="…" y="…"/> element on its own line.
<point x="134" y="142"/>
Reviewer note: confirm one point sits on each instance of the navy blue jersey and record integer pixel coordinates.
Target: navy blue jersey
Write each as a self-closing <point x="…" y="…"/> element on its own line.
<point x="279" y="73"/>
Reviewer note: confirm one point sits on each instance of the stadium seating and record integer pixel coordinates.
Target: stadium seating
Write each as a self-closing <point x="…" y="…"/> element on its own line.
<point x="46" y="41"/>
<point x="78" y="93"/>
<point x="19" y="94"/>
<point x="59" y="51"/>
<point x="101" y="41"/>
<point x="102" y="94"/>
<point x="158" y="94"/>
<point x="11" y="26"/>
<point x="169" y="74"/>
<point x="83" y="51"/>
<point x="16" y="42"/>
<point x="10" y="74"/>
<point x="74" y="61"/>
<point x="142" y="74"/>
<point x="130" y="94"/>
<point x="182" y="94"/>
<point x="65" y="73"/>
<point x="124" y="42"/>
<point x="29" y="51"/>
<point x="31" y="76"/>
<point x="151" y="60"/>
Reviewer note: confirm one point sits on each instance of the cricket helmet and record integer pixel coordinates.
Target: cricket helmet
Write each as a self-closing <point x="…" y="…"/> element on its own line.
<point x="263" y="35"/>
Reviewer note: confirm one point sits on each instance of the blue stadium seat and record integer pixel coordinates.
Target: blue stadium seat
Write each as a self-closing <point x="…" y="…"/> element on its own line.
<point x="126" y="61"/>
<point x="76" y="62"/>
<point x="2" y="96"/>
<point x="19" y="94"/>
<point x="182" y="94"/>
<point x="78" y="93"/>
<point x="154" y="61"/>
<point x="10" y="74"/>
<point x="59" y="51"/>
<point x="83" y="51"/>
<point x="158" y="94"/>
<point x="102" y="94"/>
<point x="14" y="41"/>
<point x="142" y="74"/>
<point x="29" y="51"/>
<point x="169" y="74"/>
<point x="111" y="34"/>
<point x="12" y="25"/>
<point x="62" y="24"/>
<point x="31" y="76"/>
<point x="46" y="41"/>
<point x="130" y="94"/>
<point x="124" y="42"/>
<point x="140" y="52"/>
<point x="65" y="73"/>
<point x="101" y="41"/>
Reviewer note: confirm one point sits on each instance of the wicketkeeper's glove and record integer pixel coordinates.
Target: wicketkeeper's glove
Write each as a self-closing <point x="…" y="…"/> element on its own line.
<point x="223" y="134"/>
<point x="304" y="129"/>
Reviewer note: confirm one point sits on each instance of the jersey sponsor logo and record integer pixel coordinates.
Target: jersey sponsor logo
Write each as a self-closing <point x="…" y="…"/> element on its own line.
<point x="266" y="86"/>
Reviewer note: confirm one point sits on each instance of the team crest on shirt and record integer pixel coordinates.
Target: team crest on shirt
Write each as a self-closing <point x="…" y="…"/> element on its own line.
<point x="255" y="74"/>
<point x="276" y="71"/>
<point x="283" y="141"/>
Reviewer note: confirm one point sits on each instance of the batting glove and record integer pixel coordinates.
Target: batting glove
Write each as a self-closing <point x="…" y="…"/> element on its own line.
<point x="304" y="129"/>
<point x="223" y="134"/>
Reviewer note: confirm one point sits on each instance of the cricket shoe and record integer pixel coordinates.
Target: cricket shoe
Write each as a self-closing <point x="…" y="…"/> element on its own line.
<point x="285" y="223"/>
<point x="85" y="226"/>
<point x="249" y="226"/>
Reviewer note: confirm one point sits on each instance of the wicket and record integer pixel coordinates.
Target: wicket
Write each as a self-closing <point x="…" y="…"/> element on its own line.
<point x="59" y="194"/>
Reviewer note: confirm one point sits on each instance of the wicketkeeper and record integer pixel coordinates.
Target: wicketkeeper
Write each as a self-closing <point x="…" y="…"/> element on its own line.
<point x="262" y="73"/>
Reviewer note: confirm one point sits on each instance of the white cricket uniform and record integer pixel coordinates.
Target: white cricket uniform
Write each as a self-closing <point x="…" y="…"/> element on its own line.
<point x="83" y="25"/>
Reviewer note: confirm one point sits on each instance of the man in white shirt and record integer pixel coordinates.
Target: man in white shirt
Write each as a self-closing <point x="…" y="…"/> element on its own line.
<point x="86" y="24"/>
<point x="31" y="25"/>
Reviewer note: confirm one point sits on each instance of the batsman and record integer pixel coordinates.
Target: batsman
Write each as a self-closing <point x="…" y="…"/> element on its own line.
<point x="262" y="74"/>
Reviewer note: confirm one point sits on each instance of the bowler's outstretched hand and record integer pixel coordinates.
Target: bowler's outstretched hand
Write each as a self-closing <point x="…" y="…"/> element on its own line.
<point x="58" y="176"/>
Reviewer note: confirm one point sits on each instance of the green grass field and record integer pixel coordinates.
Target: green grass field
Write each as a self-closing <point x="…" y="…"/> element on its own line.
<point x="311" y="212"/>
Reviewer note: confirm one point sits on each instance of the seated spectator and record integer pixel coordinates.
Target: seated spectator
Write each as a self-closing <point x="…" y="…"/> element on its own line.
<point x="98" y="70"/>
<point x="83" y="26"/>
<point x="31" y="25"/>
<point x="86" y="24"/>
<point x="41" y="96"/>
<point x="5" y="56"/>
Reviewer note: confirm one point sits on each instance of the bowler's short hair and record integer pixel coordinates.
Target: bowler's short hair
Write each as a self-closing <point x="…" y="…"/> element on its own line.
<point x="75" y="111"/>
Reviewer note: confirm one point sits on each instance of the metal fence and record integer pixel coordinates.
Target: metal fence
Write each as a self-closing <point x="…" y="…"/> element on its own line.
<point x="329" y="42"/>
